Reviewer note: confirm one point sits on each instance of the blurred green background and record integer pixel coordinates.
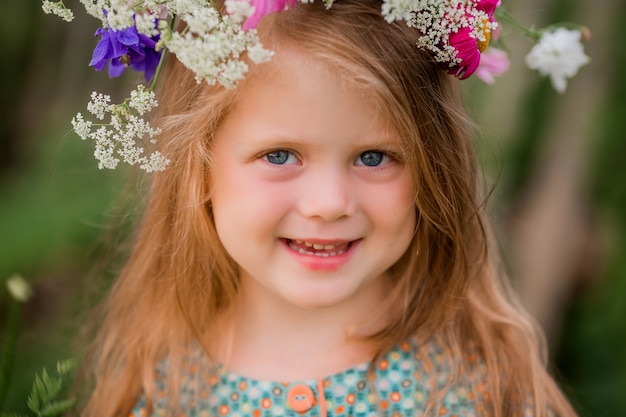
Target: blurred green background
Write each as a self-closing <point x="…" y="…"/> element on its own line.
<point x="556" y="162"/>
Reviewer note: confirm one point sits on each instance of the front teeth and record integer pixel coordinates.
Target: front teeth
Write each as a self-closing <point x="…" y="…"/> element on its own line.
<point x="315" y="245"/>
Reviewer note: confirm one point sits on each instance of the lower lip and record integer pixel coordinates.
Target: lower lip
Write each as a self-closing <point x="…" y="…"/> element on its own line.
<point x="322" y="263"/>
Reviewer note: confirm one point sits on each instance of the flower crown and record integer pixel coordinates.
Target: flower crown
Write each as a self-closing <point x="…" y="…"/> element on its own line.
<point x="138" y="34"/>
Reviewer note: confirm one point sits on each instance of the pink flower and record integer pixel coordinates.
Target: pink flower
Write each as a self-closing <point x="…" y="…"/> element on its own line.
<point x="263" y="8"/>
<point x="493" y="62"/>
<point x="467" y="51"/>
<point x="467" y="46"/>
<point x="489" y="7"/>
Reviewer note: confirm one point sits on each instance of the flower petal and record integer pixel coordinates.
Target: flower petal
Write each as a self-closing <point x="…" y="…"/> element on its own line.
<point x="488" y="6"/>
<point x="116" y="68"/>
<point x="263" y="8"/>
<point x="559" y="83"/>
<point x="467" y="52"/>
<point x="101" y="54"/>
<point x="128" y="36"/>
<point x="117" y="49"/>
<point x="493" y="62"/>
<point x="558" y="54"/>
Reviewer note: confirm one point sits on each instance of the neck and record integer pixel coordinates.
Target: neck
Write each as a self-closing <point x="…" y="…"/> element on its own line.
<point x="275" y="340"/>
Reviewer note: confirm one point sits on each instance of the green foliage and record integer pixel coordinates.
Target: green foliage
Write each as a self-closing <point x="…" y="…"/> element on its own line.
<point x="592" y="357"/>
<point x="66" y="366"/>
<point x="19" y="291"/>
<point x="44" y="400"/>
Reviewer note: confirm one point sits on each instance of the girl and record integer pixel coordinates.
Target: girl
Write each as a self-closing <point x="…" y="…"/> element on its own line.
<point x="317" y="245"/>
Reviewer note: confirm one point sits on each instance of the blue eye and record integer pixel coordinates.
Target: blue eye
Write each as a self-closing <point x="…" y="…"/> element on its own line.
<point x="372" y="158"/>
<point x="280" y="157"/>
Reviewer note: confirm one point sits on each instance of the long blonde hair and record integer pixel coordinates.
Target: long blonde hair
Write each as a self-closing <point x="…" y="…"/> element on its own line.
<point x="178" y="278"/>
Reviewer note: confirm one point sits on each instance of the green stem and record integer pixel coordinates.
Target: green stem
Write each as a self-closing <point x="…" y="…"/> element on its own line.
<point x="8" y="352"/>
<point x="217" y="9"/>
<point x="505" y="17"/>
<point x="158" y="70"/>
<point x="162" y="60"/>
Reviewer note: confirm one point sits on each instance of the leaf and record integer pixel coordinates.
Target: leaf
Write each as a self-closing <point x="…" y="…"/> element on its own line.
<point x="42" y="399"/>
<point x="45" y="389"/>
<point x="40" y="384"/>
<point x="36" y="393"/>
<point x="33" y="403"/>
<point x="12" y="415"/>
<point x="66" y="366"/>
<point x="57" y="408"/>
<point x="53" y="388"/>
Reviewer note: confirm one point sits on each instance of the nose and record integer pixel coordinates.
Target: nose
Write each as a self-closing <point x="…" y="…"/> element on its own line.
<point x="327" y="194"/>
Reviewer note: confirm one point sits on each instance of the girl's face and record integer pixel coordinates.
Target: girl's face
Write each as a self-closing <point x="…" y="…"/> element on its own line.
<point x="309" y="195"/>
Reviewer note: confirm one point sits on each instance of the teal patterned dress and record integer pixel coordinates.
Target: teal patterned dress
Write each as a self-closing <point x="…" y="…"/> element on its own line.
<point x="404" y="380"/>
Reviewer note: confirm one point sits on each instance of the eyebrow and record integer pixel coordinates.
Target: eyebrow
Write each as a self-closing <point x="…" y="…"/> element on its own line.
<point x="291" y="141"/>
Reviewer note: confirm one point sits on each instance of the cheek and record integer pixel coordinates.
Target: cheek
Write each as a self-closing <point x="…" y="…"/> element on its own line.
<point x="393" y="202"/>
<point x="396" y="213"/>
<point x="257" y="195"/>
<point x="242" y="198"/>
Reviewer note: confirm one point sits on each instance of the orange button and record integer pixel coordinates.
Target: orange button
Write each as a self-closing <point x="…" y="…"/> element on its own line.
<point x="301" y="398"/>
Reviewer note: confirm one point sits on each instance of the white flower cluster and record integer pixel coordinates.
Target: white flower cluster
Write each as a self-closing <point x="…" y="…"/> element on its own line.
<point x="57" y="8"/>
<point x="217" y="49"/>
<point x="213" y="45"/>
<point x="117" y="14"/>
<point x="124" y="132"/>
<point x="558" y="54"/>
<point x="146" y="24"/>
<point x="437" y="19"/>
<point x="239" y="10"/>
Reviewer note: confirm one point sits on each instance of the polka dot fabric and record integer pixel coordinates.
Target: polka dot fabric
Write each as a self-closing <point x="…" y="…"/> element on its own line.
<point x="402" y="387"/>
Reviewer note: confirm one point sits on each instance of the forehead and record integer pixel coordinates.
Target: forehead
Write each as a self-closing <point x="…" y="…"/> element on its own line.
<point x="298" y="92"/>
<point x="297" y="96"/>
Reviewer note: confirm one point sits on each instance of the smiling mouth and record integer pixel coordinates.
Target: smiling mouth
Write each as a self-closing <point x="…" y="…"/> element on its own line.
<point x="315" y="249"/>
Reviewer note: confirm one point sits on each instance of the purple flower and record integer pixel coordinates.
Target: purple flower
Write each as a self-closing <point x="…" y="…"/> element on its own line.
<point x="127" y="47"/>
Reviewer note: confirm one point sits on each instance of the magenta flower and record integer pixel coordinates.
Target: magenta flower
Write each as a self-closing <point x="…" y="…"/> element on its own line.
<point x="263" y="8"/>
<point x="489" y="7"/>
<point x="493" y="62"/>
<point x="127" y="47"/>
<point x="467" y="51"/>
<point x="467" y="46"/>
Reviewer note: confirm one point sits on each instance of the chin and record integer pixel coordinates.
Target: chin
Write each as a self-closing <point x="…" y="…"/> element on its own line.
<point x="311" y="299"/>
